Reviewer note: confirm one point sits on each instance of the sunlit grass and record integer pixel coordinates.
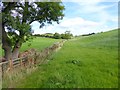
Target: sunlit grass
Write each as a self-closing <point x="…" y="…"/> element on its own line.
<point x="85" y="62"/>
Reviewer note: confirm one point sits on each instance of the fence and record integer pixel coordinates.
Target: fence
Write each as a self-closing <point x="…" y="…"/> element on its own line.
<point x="32" y="59"/>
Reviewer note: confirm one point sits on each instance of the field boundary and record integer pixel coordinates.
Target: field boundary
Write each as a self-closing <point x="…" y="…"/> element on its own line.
<point x="32" y="59"/>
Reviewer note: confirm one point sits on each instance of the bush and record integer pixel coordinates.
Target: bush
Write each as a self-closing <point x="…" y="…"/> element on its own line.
<point x="57" y="36"/>
<point x="67" y="35"/>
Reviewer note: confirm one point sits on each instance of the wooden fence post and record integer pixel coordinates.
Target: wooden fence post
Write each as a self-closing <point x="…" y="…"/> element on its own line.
<point x="34" y="58"/>
<point x="20" y="62"/>
<point x="11" y="64"/>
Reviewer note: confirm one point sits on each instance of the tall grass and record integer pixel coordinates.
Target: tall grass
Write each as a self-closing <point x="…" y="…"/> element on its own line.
<point x="21" y="72"/>
<point x="85" y="62"/>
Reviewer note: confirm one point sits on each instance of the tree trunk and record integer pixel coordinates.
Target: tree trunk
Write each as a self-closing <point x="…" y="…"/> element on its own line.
<point x="6" y="44"/>
<point x="16" y="50"/>
<point x="8" y="53"/>
<point x="15" y="53"/>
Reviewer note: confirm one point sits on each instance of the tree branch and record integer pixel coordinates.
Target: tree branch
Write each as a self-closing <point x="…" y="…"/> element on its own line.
<point x="8" y="7"/>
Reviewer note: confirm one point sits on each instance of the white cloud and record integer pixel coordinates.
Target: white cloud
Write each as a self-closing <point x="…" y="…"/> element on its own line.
<point x="78" y="25"/>
<point x="77" y="21"/>
<point x="99" y="10"/>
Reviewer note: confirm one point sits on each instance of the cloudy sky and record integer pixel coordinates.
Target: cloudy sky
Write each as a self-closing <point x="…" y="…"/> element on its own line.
<point x="82" y="17"/>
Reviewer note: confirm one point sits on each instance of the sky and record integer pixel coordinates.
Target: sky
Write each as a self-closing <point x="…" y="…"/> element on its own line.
<point x="83" y="17"/>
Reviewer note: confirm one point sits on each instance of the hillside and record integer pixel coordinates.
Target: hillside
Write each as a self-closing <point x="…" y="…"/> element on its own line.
<point x="83" y="62"/>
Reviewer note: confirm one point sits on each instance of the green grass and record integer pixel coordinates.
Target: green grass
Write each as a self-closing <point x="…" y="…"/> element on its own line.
<point x="38" y="43"/>
<point x="84" y="62"/>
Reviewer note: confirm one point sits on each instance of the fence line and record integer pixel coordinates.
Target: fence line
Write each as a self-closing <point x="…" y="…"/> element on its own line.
<point x="31" y="59"/>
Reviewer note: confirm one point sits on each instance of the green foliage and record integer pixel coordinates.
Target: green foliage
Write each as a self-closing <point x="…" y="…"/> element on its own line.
<point x="48" y="35"/>
<point x="67" y="35"/>
<point x="49" y="12"/>
<point x="57" y="36"/>
<point x="17" y="17"/>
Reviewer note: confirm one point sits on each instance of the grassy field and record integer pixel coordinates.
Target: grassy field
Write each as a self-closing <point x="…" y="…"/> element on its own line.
<point x="38" y="43"/>
<point x="83" y="62"/>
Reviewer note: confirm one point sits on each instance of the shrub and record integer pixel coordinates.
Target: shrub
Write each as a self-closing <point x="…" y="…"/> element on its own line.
<point x="57" y="36"/>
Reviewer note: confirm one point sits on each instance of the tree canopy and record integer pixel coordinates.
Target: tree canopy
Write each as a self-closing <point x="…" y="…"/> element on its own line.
<point x="17" y="17"/>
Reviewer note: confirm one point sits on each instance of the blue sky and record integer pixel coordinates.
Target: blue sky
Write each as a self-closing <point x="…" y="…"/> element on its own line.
<point x="84" y="17"/>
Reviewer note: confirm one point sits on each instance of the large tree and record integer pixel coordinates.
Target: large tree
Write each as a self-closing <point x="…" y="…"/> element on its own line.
<point x="16" y="20"/>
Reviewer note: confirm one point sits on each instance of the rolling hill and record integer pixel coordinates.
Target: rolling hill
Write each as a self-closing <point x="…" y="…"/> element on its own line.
<point x="83" y="62"/>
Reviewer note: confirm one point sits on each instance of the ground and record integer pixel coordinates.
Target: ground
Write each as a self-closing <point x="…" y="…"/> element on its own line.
<point x="83" y="62"/>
